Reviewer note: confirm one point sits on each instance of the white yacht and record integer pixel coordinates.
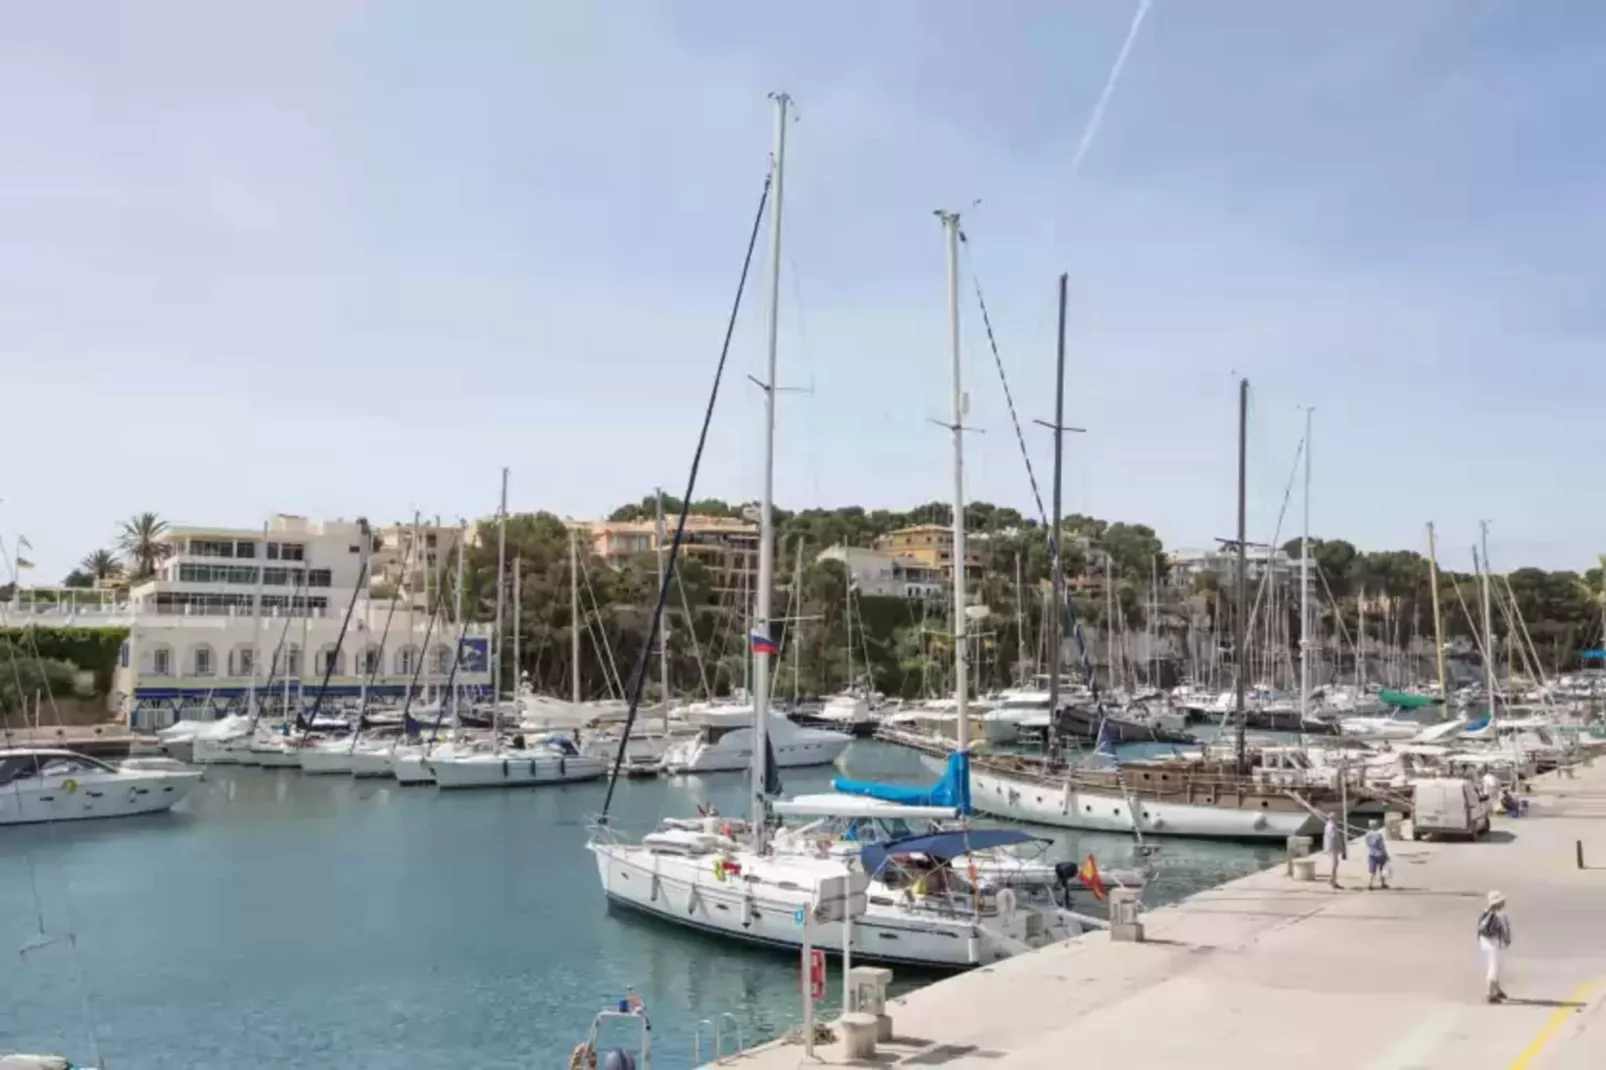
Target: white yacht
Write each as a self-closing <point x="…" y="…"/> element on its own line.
<point x="47" y="784"/>
<point x="1002" y="723"/>
<point x="724" y="742"/>
<point x="550" y="759"/>
<point x="225" y="741"/>
<point x="325" y="757"/>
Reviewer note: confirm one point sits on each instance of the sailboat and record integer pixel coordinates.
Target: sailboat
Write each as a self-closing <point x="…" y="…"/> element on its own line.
<point x="1178" y="796"/>
<point x="725" y="877"/>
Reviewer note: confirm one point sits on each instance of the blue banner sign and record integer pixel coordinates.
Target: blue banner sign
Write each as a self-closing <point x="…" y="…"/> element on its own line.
<point x="1593" y="655"/>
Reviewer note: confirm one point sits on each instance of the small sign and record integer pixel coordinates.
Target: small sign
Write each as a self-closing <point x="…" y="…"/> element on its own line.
<point x="816" y="974"/>
<point x="797" y="916"/>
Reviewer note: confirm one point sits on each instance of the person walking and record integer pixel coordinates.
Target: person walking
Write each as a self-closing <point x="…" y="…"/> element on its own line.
<point x="1494" y="936"/>
<point x="1377" y="856"/>
<point x="1335" y="847"/>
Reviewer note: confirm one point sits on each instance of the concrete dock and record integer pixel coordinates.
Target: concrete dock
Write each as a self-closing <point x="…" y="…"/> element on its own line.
<point x="1270" y="972"/>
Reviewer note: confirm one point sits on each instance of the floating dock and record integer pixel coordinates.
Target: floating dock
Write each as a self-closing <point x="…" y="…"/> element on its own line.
<point x="1270" y="972"/>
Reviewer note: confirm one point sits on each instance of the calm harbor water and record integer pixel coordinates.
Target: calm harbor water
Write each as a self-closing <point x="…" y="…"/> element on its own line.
<point x="278" y="921"/>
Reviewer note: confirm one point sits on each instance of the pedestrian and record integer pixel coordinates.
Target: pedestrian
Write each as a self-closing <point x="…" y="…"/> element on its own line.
<point x="1333" y="843"/>
<point x="1377" y="856"/>
<point x="1491" y="786"/>
<point x="1494" y="936"/>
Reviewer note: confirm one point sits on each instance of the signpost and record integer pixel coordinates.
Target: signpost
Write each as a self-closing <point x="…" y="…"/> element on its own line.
<point x="839" y="899"/>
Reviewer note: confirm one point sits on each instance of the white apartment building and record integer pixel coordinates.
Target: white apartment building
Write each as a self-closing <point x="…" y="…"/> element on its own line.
<point x="879" y="574"/>
<point x="197" y="648"/>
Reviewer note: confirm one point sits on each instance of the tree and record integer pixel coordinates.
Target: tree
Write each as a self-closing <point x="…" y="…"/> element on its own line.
<point x="140" y="542"/>
<point x="78" y="578"/>
<point x="102" y="566"/>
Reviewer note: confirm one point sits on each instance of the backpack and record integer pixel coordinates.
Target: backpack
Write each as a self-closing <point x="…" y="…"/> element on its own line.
<point x="1489" y="925"/>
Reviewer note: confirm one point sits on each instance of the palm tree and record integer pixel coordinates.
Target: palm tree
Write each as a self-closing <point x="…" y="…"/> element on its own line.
<point x="140" y="542"/>
<point x="102" y="566"/>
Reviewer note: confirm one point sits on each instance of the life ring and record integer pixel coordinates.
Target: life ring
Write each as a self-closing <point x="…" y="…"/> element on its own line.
<point x="69" y="785"/>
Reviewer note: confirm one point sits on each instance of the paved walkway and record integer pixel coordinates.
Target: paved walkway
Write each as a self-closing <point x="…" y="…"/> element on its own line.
<point x="1267" y="972"/>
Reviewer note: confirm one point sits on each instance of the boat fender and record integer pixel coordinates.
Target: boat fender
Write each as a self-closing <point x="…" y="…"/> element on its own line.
<point x="69" y="785"/>
<point x="618" y="1059"/>
<point x="504" y="768"/>
<point x="563" y="767"/>
<point x="1006" y="901"/>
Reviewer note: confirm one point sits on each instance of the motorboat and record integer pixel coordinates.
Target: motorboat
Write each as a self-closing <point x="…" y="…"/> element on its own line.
<point x="48" y="784"/>
<point x="848" y="712"/>
<point x="549" y="759"/>
<point x="724" y="742"/>
<point x="1002" y="724"/>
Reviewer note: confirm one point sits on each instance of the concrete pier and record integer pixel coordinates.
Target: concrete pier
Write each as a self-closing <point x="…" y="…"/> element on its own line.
<point x="1269" y="972"/>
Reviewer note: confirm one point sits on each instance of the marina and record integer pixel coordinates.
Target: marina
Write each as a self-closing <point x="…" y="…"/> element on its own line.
<point x="274" y="919"/>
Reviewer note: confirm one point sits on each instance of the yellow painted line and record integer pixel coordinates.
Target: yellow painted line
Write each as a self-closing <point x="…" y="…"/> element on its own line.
<point x="1557" y="1019"/>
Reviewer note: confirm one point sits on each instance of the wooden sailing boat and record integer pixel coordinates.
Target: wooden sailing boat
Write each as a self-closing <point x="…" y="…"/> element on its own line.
<point x="1252" y="797"/>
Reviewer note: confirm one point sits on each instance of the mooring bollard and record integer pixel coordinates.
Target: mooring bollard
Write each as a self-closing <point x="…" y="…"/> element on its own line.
<point x="1124" y="923"/>
<point x="1578" y="847"/>
<point x="1298" y="847"/>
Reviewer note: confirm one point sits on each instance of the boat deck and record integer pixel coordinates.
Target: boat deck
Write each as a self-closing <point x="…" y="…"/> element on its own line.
<point x="1267" y="972"/>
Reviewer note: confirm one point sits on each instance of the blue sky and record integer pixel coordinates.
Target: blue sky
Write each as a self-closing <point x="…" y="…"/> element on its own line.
<point x="344" y="258"/>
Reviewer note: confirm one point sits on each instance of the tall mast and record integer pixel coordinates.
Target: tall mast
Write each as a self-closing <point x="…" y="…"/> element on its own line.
<point x="256" y="624"/>
<point x="459" y="604"/>
<point x="1056" y="639"/>
<point x="1020" y="622"/>
<point x="760" y="651"/>
<point x="950" y="226"/>
<point x="518" y="602"/>
<point x="663" y="623"/>
<point x="1304" y="590"/>
<point x="501" y="580"/>
<point x="1360" y="640"/>
<point x="848" y="601"/>
<point x="1241" y="641"/>
<point x="1488" y="618"/>
<point x="574" y="617"/>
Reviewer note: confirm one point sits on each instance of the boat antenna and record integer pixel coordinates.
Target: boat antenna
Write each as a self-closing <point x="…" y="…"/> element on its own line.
<point x="1241" y="639"/>
<point x="644" y="659"/>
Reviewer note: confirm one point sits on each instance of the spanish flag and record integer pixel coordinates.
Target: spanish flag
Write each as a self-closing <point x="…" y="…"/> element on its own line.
<point x="1089" y="875"/>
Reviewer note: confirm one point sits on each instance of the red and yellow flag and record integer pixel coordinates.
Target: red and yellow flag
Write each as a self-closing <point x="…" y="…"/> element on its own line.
<point x="1089" y="875"/>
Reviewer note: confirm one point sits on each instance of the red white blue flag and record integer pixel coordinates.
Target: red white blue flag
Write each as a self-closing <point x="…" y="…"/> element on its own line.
<point x="760" y="643"/>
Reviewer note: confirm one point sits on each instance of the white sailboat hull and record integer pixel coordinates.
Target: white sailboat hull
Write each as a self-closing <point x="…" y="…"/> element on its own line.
<point x="371" y="763"/>
<point x="512" y="769"/>
<point x="275" y="756"/>
<point x="320" y="761"/>
<point x="409" y="766"/>
<point x="822" y="748"/>
<point x="1020" y="799"/>
<point x="684" y="890"/>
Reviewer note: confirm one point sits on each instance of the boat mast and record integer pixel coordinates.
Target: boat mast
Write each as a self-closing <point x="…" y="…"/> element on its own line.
<point x="251" y="705"/>
<point x="1056" y="640"/>
<point x="501" y="577"/>
<point x="574" y="618"/>
<point x="766" y="522"/>
<point x="460" y="617"/>
<point x="518" y="602"/>
<point x="1241" y="641"/>
<point x="1020" y="624"/>
<point x="1304" y="590"/>
<point x="1488" y="619"/>
<point x="663" y="625"/>
<point x="950" y="226"/>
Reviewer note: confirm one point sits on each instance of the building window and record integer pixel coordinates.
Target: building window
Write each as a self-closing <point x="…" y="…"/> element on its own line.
<point x="318" y="577"/>
<point x="161" y="662"/>
<point x="406" y="660"/>
<point x="331" y="662"/>
<point x="292" y="661"/>
<point x="370" y="661"/>
<point x="246" y="550"/>
<point x="211" y="548"/>
<point x="292" y="551"/>
<point x="201" y="661"/>
<point x="273" y="551"/>
<point x="244" y="661"/>
<point x="443" y="661"/>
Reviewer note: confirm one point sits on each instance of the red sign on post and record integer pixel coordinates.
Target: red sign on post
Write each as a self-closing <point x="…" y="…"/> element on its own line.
<point x="817" y="974"/>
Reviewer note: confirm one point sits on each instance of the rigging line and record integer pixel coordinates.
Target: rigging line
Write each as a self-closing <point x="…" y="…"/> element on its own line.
<point x="696" y="647"/>
<point x="1282" y="513"/>
<point x="644" y="659"/>
<point x="599" y="638"/>
<point x="418" y="663"/>
<point x="375" y="665"/>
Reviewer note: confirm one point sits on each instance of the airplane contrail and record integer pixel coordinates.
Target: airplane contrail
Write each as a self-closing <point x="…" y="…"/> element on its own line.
<point x="1095" y="120"/>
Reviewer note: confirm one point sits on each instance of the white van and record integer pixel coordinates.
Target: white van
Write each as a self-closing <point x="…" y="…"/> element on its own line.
<point x="1448" y="807"/>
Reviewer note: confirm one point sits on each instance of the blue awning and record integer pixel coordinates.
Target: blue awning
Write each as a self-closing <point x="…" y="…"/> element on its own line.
<point x="952" y="790"/>
<point x="940" y="845"/>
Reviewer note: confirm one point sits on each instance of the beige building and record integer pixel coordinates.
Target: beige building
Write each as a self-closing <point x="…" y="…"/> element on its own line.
<point x="726" y="547"/>
<point x="931" y="545"/>
<point x="883" y="575"/>
<point x="426" y="548"/>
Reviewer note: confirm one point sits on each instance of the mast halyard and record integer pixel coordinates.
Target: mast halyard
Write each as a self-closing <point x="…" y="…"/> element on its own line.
<point x="1488" y="621"/>
<point x="663" y="624"/>
<point x="1438" y="620"/>
<point x="950" y="226"/>
<point x="501" y="578"/>
<point x="760" y="644"/>
<point x="574" y="617"/>
<point x="1241" y="641"/>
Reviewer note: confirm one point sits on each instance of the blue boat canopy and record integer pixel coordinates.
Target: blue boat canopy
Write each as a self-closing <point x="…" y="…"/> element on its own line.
<point x="942" y="846"/>
<point x="952" y="790"/>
